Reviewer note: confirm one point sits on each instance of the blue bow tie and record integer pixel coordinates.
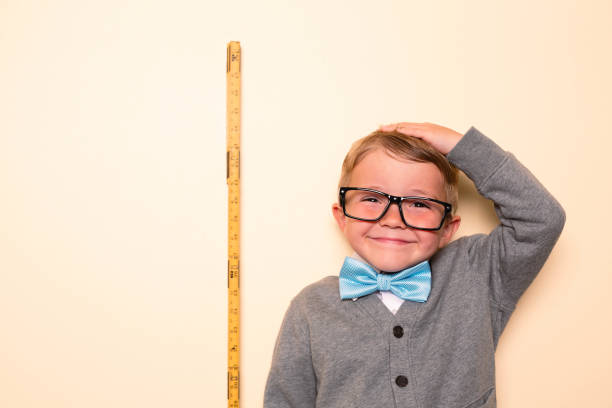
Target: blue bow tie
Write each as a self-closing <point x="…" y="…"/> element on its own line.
<point x="359" y="279"/>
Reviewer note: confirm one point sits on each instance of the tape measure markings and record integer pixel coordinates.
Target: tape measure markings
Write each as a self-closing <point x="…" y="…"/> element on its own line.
<point x="233" y="181"/>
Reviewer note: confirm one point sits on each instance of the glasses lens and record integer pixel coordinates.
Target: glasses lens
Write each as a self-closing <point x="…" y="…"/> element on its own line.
<point x="422" y="213"/>
<point x="366" y="205"/>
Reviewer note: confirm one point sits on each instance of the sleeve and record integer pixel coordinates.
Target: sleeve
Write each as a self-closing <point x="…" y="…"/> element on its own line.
<point x="291" y="381"/>
<point x="531" y="220"/>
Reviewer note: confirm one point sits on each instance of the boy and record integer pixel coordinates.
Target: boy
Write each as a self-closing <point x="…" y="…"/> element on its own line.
<point x="413" y="319"/>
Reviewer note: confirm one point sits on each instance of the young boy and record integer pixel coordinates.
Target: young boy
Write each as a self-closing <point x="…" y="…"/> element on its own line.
<point x="413" y="319"/>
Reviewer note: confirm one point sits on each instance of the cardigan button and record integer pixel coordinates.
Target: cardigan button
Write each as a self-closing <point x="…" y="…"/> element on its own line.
<point x="398" y="331"/>
<point x="401" y="381"/>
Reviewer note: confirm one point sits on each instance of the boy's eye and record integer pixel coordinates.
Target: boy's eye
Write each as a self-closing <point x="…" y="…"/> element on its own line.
<point x="418" y="204"/>
<point x="371" y="199"/>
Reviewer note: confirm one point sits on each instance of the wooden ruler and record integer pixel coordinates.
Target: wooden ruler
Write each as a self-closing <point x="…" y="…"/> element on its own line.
<point x="233" y="261"/>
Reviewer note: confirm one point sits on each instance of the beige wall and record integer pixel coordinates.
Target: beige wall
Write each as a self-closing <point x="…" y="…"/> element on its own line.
<point x="113" y="197"/>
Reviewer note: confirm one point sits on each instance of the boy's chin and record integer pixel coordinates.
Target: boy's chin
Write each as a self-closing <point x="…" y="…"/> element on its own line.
<point x="392" y="267"/>
<point x="391" y="262"/>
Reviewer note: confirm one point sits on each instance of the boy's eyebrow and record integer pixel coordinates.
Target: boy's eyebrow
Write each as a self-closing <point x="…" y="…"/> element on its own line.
<point x="423" y="193"/>
<point x="379" y="188"/>
<point x="416" y="191"/>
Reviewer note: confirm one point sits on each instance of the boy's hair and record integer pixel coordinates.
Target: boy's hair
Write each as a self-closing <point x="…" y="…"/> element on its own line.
<point x="402" y="147"/>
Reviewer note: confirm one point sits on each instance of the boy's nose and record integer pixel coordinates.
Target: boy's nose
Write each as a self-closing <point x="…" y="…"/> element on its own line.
<point x="392" y="217"/>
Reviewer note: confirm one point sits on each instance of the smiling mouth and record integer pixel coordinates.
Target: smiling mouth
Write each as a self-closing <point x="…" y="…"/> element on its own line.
<point x="392" y="241"/>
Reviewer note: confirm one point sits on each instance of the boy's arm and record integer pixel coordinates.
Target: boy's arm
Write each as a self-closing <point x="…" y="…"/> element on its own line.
<point x="441" y="138"/>
<point x="531" y="220"/>
<point x="291" y="381"/>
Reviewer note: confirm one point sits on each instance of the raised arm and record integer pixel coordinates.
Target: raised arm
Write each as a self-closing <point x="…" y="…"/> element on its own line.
<point x="531" y="220"/>
<point x="441" y="138"/>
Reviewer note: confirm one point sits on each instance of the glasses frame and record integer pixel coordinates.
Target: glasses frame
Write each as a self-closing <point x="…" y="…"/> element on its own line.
<point x="394" y="200"/>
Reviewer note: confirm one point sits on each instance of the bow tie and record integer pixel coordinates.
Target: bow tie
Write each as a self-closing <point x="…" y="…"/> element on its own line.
<point x="359" y="279"/>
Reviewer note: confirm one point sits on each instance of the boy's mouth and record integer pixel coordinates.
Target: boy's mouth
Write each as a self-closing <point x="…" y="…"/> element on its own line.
<point x="390" y="240"/>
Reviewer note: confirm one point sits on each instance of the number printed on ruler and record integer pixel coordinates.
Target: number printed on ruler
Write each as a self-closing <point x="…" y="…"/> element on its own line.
<point x="233" y="260"/>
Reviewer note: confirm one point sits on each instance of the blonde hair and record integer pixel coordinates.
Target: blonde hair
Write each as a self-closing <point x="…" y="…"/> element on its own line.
<point x="402" y="147"/>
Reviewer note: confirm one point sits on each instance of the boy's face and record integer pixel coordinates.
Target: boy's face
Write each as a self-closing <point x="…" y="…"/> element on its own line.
<point x="388" y="244"/>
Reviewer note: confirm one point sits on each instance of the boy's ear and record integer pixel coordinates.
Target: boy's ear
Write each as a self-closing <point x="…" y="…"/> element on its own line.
<point x="448" y="230"/>
<point x="339" y="215"/>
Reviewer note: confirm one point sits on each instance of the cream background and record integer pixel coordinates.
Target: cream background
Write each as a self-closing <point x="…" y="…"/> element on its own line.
<point x="113" y="195"/>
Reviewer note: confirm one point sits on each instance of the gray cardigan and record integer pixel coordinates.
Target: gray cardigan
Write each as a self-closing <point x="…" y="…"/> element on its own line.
<point x="438" y="354"/>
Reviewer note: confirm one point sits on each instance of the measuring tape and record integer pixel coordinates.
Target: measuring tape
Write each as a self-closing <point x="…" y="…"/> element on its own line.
<point x="233" y="238"/>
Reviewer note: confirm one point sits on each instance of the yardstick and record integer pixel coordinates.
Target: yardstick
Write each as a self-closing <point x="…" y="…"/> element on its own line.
<point x="233" y="240"/>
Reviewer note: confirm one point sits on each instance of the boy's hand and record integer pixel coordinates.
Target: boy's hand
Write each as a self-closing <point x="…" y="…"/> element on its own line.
<point x="441" y="138"/>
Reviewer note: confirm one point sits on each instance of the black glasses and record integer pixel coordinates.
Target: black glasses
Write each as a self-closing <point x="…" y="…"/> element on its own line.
<point x="366" y="204"/>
